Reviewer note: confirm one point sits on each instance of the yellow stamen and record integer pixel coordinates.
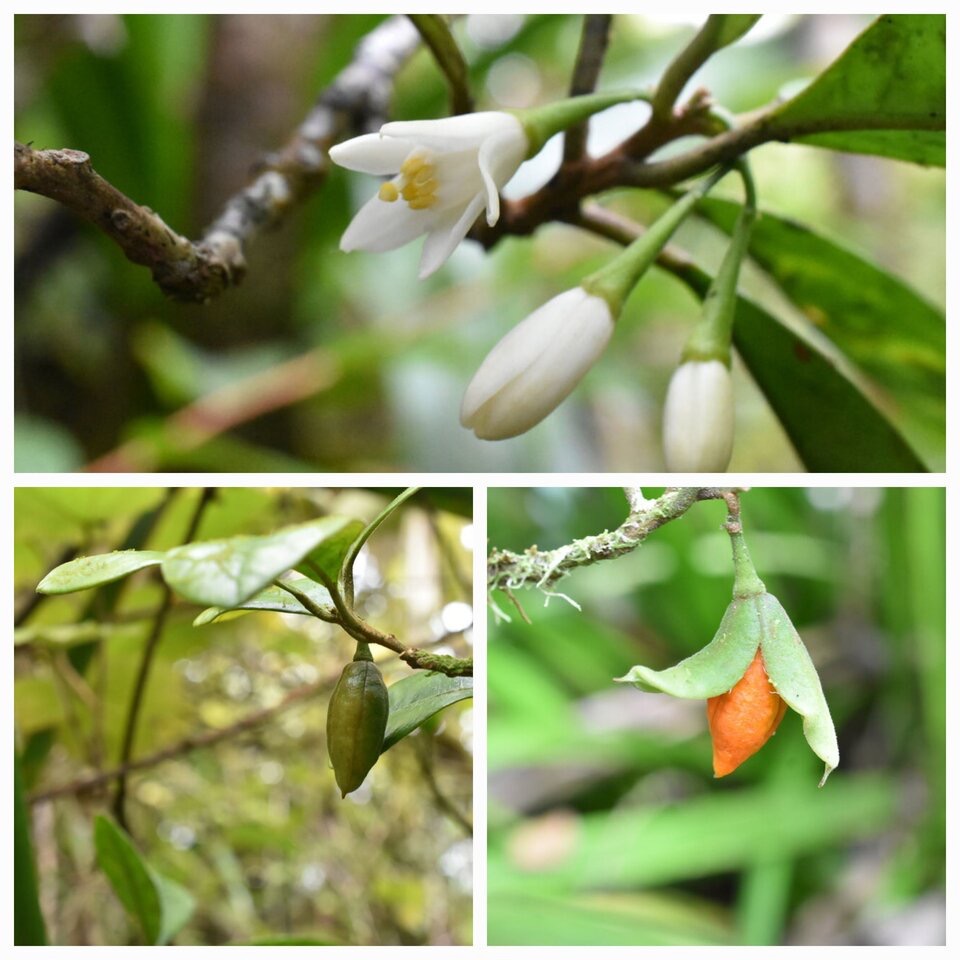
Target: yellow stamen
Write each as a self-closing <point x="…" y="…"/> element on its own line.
<point x="388" y="192"/>
<point x="417" y="183"/>
<point x="422" y="203"/>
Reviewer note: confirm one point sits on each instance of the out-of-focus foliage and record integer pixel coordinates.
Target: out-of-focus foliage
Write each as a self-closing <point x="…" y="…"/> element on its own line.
<point x="176" y="110"/>
<point x="606" y="826"/>
<point x="252" y="827"/>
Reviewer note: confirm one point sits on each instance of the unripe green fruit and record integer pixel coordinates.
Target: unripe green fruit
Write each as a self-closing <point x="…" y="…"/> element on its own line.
<point x="356" y="721"/>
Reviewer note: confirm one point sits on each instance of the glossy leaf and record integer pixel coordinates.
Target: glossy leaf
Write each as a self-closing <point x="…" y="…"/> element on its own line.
<point x="416" y="698"/>
<point x="276" y="600"/>
<point x="827" y="416"/>
<point x="328" y="556"/>
<point x="715" y="668"/>
<point x="795" y="678"/>
<point x="892" y="78"/>
<point x="86" y="572"/>
<point x="226" y="573"/>
<point x="28" y="926"/>
<point x="888" y="329"/>
<point x="159" y="906"/>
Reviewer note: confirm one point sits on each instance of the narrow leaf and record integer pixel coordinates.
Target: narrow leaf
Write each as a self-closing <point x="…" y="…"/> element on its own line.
<point x="734" y="26"/>
<point x="888" y="329"/>
<point x="717" y="667"/>
<point x="418" y="697"/>
<point x="129" y="877"/>
<point x="792" y="672"/>
<point x="159" y="905"/>
<point x="86" y="572"/>
<point x="276" y="600"/>
<point x="226" y="573"/>
<point x="828" y="418"/>
<point x="28" y="926"/>
<point x="345" y="573"/>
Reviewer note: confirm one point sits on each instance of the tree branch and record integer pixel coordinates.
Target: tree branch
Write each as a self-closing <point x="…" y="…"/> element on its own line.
<point x="435" y="32"/>
<point x="533" y="568"/>
<point x="194" y="742"/>
<point x="586" y="72"/>
<point x="683" y="66"/>
<point x="140" y="686"/>
<point x="356" y="101"/>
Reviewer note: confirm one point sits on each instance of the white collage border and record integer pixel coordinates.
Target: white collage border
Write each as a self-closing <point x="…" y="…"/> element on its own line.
<point x="950" y="480"/>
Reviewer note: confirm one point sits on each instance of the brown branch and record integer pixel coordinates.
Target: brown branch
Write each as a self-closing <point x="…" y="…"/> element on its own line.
<point x="534" y="568"/>
<point x="198" y="741"/>
<point x="586" y="72"/>
<point x="356" y="101"/>
<point x="222" y="410"/>
<point x="146" y="661"/>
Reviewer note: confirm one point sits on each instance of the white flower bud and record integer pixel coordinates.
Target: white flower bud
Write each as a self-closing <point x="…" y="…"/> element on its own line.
<point x="536" y="365"/>
<point x="698" y="418"/>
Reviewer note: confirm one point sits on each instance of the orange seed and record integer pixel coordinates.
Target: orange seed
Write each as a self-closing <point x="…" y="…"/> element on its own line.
<point x="744" y="719"/>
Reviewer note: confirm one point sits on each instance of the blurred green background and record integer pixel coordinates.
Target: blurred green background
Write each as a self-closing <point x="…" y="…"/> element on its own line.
<point x="605" y="823"/>
<point x="254" y="827"/>
<point x="177" y="110"/>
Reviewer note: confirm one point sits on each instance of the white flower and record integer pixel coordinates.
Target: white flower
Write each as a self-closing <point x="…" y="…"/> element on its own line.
<point x="536" y="365"/>
<point x="698" y="418"/>
<point x="444" y="173"/>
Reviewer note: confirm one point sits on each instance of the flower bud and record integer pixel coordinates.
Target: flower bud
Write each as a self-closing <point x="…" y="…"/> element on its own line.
<point x="742" y="720"/>
<point x="537" y="365"/>
<point x="698" y="418"/>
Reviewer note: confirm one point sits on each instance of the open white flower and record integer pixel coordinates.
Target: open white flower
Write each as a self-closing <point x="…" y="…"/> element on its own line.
<point x="444" y="173"/>
<point x="698" y="418"/>
<point x="536" y="365"/>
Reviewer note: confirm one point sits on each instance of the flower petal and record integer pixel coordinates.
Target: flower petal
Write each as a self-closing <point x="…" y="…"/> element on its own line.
<point x="444" y="238"/>
<point x="372" y="154"/>
<point x="380" y="226"/>
<point x="498" y="159"/>
<point x="536" y="365"/>
<point x="453" y="133"/>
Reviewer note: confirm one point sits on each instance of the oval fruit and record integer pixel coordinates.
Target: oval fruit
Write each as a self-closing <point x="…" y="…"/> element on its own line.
<point x="356" y="721"/>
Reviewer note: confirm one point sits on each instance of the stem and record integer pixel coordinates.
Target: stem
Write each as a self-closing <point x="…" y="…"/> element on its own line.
<point x="586" y="72"/>
<point x="746" y="583"/>
<point x="684" y="65"/>
<point x="140" y="686"/>
<point x="711" y="337"/>
<point x="616" y="280"/>
<point x="436" y="34"/>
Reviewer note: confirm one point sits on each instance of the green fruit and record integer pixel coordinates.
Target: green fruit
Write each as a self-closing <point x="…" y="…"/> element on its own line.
<point x="356" y="721"/>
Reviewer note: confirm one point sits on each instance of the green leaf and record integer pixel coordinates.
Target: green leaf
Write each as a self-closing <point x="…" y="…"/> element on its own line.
<point x="734" y="26"/>
<point x="891" y="78"/>
<point x="28" y="926"/>
<point x="888" y="329"/>
<point x="328" y="557"/>
<point x="795" y="678"/>
<point x="715" y="668"/>
<point x="716" y="833"/>
<point x="276" y="600"/>
<point x="418" y="697"/>
<point x="925" y="147"/>
<point x="226" y="573"/>
<point x="345" y="572"/>
<point x="159" y="905"/>
<point x="827" y="416"/>
<point x="86" y="572"/>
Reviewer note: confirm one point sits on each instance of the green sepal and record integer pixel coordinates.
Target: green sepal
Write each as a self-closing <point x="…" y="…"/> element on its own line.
<point x="541" y="123"/>
<point x="717" y="667"/>
<point x="795" y="678"/>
